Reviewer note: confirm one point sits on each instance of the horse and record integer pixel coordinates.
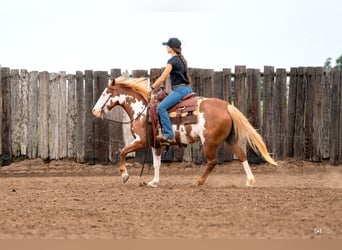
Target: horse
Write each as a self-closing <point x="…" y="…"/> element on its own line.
<point x="218" y="121"/>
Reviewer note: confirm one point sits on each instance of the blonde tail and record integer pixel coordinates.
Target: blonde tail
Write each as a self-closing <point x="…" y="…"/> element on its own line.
<point x="243" y="129"/>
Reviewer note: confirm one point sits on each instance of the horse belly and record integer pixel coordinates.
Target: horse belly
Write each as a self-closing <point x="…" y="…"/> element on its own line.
<point x="191" y="133"/>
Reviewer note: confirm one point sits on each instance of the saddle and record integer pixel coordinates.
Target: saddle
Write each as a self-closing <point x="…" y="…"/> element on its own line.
<point x="184" y="112"/>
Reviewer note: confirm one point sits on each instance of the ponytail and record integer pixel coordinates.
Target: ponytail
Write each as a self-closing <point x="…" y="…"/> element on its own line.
<point x="185" y="64"/>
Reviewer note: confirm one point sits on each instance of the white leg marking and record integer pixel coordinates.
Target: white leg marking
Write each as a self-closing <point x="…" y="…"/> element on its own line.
<point x="250" y="177"/>
<point x="156" y="165"/>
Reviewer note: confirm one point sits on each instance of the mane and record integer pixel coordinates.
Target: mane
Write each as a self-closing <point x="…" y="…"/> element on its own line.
<point x="139" y="85"/>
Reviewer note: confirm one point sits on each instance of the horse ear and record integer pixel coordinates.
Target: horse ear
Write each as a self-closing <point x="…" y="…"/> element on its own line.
<point x="111" y="83"/>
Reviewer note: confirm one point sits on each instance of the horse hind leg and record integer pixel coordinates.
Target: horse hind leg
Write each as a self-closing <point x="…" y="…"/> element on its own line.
<point x="210" y="153"/>
<point x="241" y="155"/>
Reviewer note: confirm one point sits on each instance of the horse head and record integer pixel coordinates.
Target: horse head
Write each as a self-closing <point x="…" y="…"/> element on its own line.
<point x="105" y="103"/>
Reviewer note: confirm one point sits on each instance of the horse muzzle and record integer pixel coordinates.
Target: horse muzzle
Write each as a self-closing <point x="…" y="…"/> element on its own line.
<point x="97" y="112"/>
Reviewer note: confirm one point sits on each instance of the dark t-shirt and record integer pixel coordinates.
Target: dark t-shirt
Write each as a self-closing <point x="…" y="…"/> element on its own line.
<point x="178" y="74"/>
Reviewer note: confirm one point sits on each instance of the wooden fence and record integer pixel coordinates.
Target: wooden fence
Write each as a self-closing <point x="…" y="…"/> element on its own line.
<point x="48" y="115"/>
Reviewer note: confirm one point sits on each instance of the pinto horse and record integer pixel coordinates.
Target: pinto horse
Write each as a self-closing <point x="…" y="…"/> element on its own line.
<point x="218" y="121"/>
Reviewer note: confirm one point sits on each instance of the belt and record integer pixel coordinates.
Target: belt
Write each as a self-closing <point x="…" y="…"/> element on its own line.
<point x="178" y="85"/>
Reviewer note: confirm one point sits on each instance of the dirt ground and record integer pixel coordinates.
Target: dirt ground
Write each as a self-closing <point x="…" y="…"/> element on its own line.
<point x="66" y="200"/>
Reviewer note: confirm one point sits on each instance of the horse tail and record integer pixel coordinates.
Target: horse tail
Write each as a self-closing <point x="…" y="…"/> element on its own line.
<point x="243" y="129"/>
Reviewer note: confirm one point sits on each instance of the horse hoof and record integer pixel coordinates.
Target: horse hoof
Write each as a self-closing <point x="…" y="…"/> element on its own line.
<point x="250" y="183"/>
<point x="125" y="178"/>
<point x="152" y="184"/>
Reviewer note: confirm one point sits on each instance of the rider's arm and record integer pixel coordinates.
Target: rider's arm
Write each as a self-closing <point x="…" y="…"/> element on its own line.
<point x="163" y="76"/>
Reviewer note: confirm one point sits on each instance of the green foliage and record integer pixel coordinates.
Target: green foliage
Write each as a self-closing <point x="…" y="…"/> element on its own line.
<point x="338" y="64"/>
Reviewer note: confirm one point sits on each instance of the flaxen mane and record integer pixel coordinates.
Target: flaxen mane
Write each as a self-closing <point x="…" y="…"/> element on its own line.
<point x="138" y="85"/>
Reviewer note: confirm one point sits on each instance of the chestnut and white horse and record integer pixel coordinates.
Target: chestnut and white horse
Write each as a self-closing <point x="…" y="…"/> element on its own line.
<point x="218" y="121"/>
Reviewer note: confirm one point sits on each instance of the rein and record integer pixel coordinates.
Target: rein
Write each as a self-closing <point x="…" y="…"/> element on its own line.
<point x="127" y="122"/>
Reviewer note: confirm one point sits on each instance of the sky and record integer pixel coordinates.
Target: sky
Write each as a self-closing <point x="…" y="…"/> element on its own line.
<point x="71" y="35"/>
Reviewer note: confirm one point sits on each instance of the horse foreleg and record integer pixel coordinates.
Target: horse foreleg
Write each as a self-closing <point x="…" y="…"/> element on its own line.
<point x="156" y="165"/>
<point x="241" y="155"/>
<point x="134" y="146"/>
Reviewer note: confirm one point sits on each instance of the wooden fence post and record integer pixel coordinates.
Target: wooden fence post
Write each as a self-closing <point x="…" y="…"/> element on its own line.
<point x="335" y="117"/>
<point x="101" y="126"/>
<point x="89" y="156"/>
<point x="71" y="117"/>
<point x="240" y="88"/>
<point x="291" y="113"/>
<point x="6" y="117"/>
<point x="62" y="115"/>
<point x="298" y="146"/>
<point x="54" y="118"/>
<point x="339" y="82"/>
<point x="317" y="125"/>
<point x="253" y="108"/>
<point x="308" y="128"/>
<point x="279" y="111"/>
<point x="32" y="127"/>
<point x="116" y="138"/>
<point x="326" y="113"/>
<point x="16" y="114"/>
<point x="267" y="106"/>
<point x="80" y="118"/>
<point x="43" y="114"/>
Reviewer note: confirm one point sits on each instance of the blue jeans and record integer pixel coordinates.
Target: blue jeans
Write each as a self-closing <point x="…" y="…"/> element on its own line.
<point x="172" y="99"/>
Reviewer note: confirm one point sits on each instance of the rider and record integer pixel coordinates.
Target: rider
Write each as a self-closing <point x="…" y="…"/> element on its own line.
<point x="177" y="68"/>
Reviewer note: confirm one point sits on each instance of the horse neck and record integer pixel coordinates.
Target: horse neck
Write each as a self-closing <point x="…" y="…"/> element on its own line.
<point x="133" y="103"/>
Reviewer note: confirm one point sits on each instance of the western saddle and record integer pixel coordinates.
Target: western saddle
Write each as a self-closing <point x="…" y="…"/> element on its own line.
<point x="184" y="112"/>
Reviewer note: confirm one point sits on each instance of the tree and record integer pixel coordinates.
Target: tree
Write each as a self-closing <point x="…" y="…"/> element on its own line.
<point x="338" y="65"/>
<point x="339" y="62"/>
<point x="327" y="63"/>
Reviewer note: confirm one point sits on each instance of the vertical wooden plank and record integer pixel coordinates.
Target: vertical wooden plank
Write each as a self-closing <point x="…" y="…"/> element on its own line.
<point x="62" y="114"/>
<point x="71" y="117"/>
<point x="279" y="111"/>
<point x="317" y="133"/>
<point x="267" y="107"/>
<point x="339" y="82"/>
<point x="89" y="156"/>
<point x="139" y="73"/>
<point x="326" y="114"/>
<point x="116" y="138"/>
<point x="227" y="85"/>
<point x="1" y="115"/>
<point x="310" y="100"/>
<point x="335" y="116"/>
<point x="54" y="117"/>
<point x="227" y="96"/>
<point x="15" y="112"/>
<point x="6" y="117"/>
<point x="291" y="114"/>
<point x="24" y="93"/>
<point x="101" y="126"/>
<point x="298" y="144"/>
<point x="43" y="114"/>
<point x="208" y="82"/>
<point x="32" y="127"/>
<point x="253" y="108"/>
<point x="240" y="88"/>
<point x="80" y="118"/>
